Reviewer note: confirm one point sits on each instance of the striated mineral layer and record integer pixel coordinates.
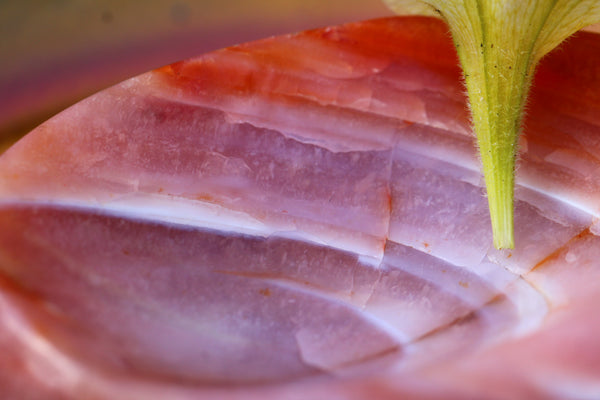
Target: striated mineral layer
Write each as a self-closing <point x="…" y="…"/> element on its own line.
<point x="303" y="217"/>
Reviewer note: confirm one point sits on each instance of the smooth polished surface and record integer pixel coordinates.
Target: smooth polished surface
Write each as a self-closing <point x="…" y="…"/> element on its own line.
<point x="302" y="216"/>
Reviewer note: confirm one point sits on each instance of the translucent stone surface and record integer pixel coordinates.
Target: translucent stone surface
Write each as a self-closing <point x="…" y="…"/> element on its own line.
<point x="298" y="217"/>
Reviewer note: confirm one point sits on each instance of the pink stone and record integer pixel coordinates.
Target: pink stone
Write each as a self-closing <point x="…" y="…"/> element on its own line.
<point x="302" y="217"/>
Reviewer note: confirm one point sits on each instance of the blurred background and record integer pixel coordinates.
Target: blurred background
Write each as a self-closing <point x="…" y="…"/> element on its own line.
<point x="56" y="52"/>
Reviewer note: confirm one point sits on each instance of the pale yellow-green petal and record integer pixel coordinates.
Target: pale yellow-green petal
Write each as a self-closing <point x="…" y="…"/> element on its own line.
<point x="411" y="7"/>
<point x="567" y="17"/>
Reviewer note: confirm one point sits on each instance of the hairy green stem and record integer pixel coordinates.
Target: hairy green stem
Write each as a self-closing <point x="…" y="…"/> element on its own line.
<point x="499" y="43"/>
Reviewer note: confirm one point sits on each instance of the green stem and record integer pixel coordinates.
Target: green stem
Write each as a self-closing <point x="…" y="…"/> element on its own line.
<point x="497" y="93"/>
<point x="499" y="43"/>
<point x="497" y="71"/>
